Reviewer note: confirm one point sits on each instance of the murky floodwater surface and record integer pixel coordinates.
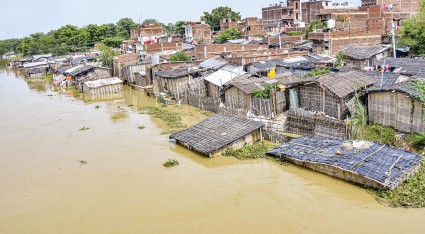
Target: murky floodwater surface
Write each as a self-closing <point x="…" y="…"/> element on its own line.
<point x="123" y="187"/>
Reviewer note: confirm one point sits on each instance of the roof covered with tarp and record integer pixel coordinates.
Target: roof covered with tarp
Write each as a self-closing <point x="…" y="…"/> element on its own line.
<point x="222" y="76"/>
<point x="216" y="132"/>
<point x="103" y="82"/>
<point x="408" y="66"/>
<point x="382" y="164"/>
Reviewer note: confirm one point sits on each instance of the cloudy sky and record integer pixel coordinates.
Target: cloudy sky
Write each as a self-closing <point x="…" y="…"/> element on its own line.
<point x="19" y="18"/>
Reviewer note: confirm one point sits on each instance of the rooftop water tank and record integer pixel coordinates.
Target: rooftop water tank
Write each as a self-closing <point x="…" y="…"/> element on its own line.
<point x="330" y="24"/>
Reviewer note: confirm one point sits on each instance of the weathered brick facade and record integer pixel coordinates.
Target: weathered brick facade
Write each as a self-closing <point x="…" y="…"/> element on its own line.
<point x="206" y="51"/>
<point x="281" y="15"/>
<point x="246" y="57"/>
<point x="159" y="47"/>
<point x="121" y="60"/>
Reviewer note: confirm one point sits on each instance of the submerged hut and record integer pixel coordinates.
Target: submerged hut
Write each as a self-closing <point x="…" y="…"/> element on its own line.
<point x="333" y="93"/>
<point x="175" y="81"/>
<point x="218" y="133"/>
<point x="81" y="74"/>
<point x="366" y="163"/>
<point x="36" y="69"/>
<point x="400" y="106"/>
<point x="102" y="86"/>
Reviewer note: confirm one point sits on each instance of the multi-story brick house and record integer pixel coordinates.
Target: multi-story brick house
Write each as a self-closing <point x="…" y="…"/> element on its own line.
<point x="279" y="15"/>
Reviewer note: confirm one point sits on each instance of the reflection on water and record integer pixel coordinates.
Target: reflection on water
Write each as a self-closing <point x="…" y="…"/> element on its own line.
<point x="124" y="188"/>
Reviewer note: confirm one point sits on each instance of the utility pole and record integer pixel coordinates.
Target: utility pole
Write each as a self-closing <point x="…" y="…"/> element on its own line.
<point x="280" y="39"/>
<point x="393" y="37"/>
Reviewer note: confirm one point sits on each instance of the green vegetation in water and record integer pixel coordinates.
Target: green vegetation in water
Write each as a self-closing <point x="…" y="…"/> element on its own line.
<point x="131" y="105"/>
<point x="266" y="92"/>
<point x="50" y="95"/>
<point x="171" y="163"/>
<point x="255" y="151"/>
<point x="82" y="162"/>
<point x="84" y="129"/>
<point x="410" y="193"/>
<point x="96" y="107"/>
<point x="318" y="71"/>
<point x="141" y="127"/>
<point x="48" y="77"/>
<point x="172" y="119"/>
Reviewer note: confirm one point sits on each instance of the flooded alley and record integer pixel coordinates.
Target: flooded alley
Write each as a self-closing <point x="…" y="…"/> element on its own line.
<point x="55" y="178"/>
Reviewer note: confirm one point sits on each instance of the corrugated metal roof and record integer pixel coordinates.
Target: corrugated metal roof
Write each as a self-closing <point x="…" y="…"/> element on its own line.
<point x="212" y="64"/>
<point x="223" y="76"/>
<point x="103" y="82"/>
<point x="35" y="64"/>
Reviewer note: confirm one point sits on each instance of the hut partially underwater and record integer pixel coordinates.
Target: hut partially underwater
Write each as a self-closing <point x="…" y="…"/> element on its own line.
<point x="367" y="163"/>
<point x="218" y="133"/>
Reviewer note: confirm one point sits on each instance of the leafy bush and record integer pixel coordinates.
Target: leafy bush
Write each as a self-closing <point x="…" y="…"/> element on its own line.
<point x="266" y="92"/>
<point x="257" y="150"/>
<point x="229" y="34"/>
<point x="180" y="57"/>
<point x="379" y="133"/>
<point x="318" y="71"/>
<point x="294" y="33"/>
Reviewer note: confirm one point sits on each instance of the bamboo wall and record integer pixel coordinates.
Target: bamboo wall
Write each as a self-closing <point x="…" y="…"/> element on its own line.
<point x="318" y="99"/>
<point x="237" y="100"/>
<point x="397" y="110"/>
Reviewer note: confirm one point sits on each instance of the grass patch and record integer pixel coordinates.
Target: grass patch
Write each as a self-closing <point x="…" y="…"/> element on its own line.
<point x="171" y="163"/>
<point x="255" y="151"/>
<point x="173" y="119"/>
<point x="207" y="113"/>
<point x="48" y="77"/>
<point x="84" y="129"/>
<point x="410" y="193"/>
<point x="378" y="133"/>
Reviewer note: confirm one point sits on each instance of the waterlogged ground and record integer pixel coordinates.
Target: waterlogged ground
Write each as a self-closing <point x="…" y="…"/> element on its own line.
<point x="55" y="178"/>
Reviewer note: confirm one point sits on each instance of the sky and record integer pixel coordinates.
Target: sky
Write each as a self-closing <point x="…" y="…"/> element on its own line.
<point x="20" y="18"/>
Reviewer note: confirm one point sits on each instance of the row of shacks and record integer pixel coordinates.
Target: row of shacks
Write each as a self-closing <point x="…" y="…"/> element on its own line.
<point x="319" y="107"/>
<point x="80" y="70"/>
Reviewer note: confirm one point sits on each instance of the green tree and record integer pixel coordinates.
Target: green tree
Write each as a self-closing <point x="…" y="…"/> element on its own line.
<point x="124" y="27"/>
<point x="180" y="56"/>
<point x="219" y="13"/>
<point x="229" y="34"/>
<point x="179" y="27"/>
<point x="150" y="21"/>
<point x="412" y="31"/>
<point x="113" y="42"/>
<point x="107" y="56"/>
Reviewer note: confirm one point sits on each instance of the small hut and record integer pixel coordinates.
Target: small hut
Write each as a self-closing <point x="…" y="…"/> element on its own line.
<point x="364" y="56"/>
<point x="175" y="81"/>
<point x="36" y="69"/>
<point x="399" y="106"/>
<point x="332" y="93"/>
<point x="218" y="133"/>
<point x="366" y="163"/>
<point x="102" y="86"/>
<point x="81" y="74"/>
<point x="216" y="80"/>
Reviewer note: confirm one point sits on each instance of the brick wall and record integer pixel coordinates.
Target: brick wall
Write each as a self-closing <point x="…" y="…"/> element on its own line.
<point x="159" y="47"/>
<point x="206" y="51"/>
<point x="123" y="59"/>
<point x="242" y="58"/>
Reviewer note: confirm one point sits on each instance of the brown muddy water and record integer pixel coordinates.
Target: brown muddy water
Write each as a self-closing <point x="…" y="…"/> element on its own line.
<point x="124" y="188"/>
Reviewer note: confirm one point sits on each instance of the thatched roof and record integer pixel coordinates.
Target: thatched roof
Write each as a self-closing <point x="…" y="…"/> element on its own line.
<point x="216" y="132"/>
<point x="177" y="72"/>
<point x="345" y="83"/>
<point x="405" y="87"/>
<point x="363" y="52"/>
<point x="382" y="164"/>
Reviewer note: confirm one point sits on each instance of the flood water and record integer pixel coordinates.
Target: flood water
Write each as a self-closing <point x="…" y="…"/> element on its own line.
<point x="123" y="187"/>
